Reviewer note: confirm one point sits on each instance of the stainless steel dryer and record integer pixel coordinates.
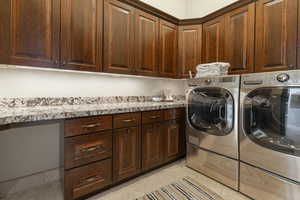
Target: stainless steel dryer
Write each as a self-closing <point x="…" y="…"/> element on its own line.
<point x="270" y="135"/>
<point x="212" y="125"/>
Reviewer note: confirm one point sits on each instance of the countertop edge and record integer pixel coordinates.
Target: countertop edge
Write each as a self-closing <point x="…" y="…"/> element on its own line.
<point x="28" y="118"/>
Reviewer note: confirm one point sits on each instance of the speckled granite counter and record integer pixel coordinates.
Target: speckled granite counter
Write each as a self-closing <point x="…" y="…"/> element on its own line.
<point x="21" y="113"/>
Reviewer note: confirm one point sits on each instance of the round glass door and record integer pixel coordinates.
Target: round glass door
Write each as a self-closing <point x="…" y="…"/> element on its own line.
<point x="272" y="118"/>
<point x="211" y="110"/>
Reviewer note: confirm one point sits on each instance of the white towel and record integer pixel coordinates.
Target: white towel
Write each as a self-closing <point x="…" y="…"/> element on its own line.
<point x="212" y="69"/>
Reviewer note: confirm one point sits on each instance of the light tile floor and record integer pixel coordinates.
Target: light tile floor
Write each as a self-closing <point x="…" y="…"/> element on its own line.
<point x="136" y="187"/>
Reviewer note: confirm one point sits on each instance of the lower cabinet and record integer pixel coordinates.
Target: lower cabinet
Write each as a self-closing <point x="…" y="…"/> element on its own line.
<point x="174" y="139"/>
<point x="127" y="153"/>
<point x="152" y="145"/>
<point x="102" y="151"/>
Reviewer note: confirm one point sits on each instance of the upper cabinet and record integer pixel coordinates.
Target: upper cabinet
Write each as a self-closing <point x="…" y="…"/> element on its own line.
<point x="276" y="35"/>
<point x="147" y="41"/>
<point x="81" y="34"/>
<point x="189" y="48"/>
<point x="119" y="26"/>
<point x="4" y="34"/>
<point x="34" y="32"/>
<point x="239" y="39"/>
<point x="213" y="40"/>
<point x="124" y="37"/>
<point x="168" y="49"/>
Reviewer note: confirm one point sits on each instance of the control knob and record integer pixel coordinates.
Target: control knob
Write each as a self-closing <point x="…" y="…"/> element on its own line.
<point x="284" y="77"/>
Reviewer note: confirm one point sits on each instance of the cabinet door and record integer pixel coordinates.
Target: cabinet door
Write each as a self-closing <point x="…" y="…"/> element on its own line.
<point x="276" y="35"/>
<point x="127" y="152"/>
<point x="118" y="37"/>
<point x="213" y="41"/>
<point x="172" y="139"/>
<point x="147" y="38"/>
<point x="4" y="30"/>
<point x="81" y="34"/>
<point x="174" y="132"/>
<point x="35" y="28"/>
<point x="168" y="49"/>
<point x="239" y="42"/>
<point x="190" y="41"/>
<point x="152" y="145"/>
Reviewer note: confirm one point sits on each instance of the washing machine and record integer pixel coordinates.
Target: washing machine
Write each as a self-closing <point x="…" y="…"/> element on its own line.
<point x="212" y="127"/>
<point x="270" y="135"/>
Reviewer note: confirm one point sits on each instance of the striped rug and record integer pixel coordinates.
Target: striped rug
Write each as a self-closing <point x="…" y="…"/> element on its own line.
<point x="184" y="189"/>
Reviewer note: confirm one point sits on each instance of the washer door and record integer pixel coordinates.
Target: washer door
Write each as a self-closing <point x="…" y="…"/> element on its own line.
<point x="211" y="110"/>
<point x="272" y="118"/>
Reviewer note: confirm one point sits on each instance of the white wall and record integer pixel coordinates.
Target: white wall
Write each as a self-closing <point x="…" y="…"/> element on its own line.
<point x="177" y="8"/>
<point x="16" y="82"/>
<point x="201" y="8"/>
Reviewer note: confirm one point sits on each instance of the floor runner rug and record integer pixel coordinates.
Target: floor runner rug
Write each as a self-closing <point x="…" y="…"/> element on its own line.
<point x="184" y="189"/>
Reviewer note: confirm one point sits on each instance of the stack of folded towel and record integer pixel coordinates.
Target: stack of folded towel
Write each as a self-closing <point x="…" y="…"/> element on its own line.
<point x="212" y="69"/>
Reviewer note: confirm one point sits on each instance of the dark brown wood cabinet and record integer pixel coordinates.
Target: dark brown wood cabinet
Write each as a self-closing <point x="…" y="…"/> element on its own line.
<point x="81" y="34"/>
<point x="276" y="35"/>
<point x="213" y="38"/>
<point x="239" y="40"/>
<point x="189" y="48"/>
<point x="34" y="33"/>
<point x="168" y="49"/>
<point x="174" y="137"/>
<point x="127" y="152"/>
<point x="152" y="145"/>
<point x="4" y="33"/>
<point x="128" y="38"/>
<point x="119" y="26"/>
<point x="147" y="41"/>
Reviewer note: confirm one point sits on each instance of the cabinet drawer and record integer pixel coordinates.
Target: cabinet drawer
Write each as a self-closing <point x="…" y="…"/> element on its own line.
<point x="152" y="117"/>
<point x="172" y="114"/>
<point x="87" y="148"/>
<point x="84" y="180"/>
<point x="127" y="120"/>
<point x="81" y="126"/>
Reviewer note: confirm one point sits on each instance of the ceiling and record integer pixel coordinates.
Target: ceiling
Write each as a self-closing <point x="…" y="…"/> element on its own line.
<point x="186" y="9"/>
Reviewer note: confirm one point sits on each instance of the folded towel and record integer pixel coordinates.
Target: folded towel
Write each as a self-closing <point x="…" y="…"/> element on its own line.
<point x="212" y="69"/>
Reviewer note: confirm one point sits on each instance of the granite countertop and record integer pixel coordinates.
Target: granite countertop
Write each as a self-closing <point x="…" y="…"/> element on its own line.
<point x="19" y="114"/>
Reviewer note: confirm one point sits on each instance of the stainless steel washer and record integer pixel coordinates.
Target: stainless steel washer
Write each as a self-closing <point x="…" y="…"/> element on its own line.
<point x="212" y="127"/>
<point x="270" y="135"/>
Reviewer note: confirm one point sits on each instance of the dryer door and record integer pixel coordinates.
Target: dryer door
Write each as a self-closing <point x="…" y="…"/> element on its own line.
<point x="272" y="118"/>
<point x="270" y="136"/>
<point x="211" y="111"/>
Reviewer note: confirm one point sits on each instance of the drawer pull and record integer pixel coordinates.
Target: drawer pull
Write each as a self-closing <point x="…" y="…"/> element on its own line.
<point x="89" y="180"/>
<point x="154" y="117"/>
<point x="92" y="125"/>
<point x="91" y="149"/>
<point x="129" y="120"/>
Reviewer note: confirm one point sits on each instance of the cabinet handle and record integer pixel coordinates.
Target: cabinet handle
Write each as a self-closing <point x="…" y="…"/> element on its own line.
<point x="129" y="120"/>
<point x="92" y="125"/>
<point x="89" y="180"/>
<point x="154" y="117"/>
<point x="91" y="149"/>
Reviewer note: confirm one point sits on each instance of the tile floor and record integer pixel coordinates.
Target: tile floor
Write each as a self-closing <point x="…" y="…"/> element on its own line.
<point x="134" y="188"/>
